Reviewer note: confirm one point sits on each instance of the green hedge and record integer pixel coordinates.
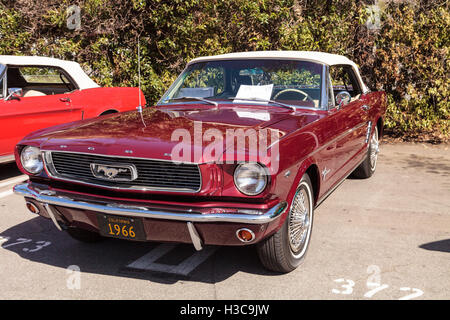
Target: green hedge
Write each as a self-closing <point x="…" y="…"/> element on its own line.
<point x="407" y="57"/>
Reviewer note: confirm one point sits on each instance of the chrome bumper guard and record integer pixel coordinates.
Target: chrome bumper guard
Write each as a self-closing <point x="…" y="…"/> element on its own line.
<point x="48" y="196"/>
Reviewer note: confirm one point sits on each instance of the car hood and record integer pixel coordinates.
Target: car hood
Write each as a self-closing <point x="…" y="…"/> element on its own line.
<point x="158" y="132"/>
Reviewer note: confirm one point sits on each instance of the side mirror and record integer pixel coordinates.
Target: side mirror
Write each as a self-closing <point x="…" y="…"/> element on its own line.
<point x="342" y="98"/>
<point x="14" y="93"/>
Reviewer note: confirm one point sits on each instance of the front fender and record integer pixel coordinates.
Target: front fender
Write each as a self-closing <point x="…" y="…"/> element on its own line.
<point x="306" y="166"/>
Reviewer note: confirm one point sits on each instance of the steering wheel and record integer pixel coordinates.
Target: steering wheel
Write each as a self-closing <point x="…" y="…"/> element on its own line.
<point x="307" y="96"/>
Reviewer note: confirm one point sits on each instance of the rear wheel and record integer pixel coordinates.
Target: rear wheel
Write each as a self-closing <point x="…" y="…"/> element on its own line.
<point x="84" y="235"/>
<point x="285" y="250"/>
<point x="367" y="168"/>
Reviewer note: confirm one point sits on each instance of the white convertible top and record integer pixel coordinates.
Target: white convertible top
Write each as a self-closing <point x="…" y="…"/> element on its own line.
<point x="314" y="56"/>
<point x="72" y="68"/>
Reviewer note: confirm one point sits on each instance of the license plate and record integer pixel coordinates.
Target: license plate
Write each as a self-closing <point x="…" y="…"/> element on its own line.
<point x="121" y="227"/>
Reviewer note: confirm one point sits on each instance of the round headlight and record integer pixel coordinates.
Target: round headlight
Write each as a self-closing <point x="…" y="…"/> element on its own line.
<point x="31" y="160"/>
<point x="250" y="178"/>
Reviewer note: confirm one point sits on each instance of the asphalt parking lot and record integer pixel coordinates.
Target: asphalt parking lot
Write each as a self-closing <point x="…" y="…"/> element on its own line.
<point x="387" y="237"/>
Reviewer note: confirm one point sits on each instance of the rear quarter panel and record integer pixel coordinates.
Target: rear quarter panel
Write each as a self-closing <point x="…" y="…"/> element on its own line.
<point x="377" y="100"/>
<point x="96" y="101"/>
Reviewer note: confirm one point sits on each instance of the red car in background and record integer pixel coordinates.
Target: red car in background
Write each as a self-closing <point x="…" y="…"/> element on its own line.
<point x="39" y="92"/>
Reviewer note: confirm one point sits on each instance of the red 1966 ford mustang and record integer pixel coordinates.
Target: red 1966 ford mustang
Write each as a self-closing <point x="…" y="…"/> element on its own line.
<point x="239" y="150"/>
<point x="38" y="92"/>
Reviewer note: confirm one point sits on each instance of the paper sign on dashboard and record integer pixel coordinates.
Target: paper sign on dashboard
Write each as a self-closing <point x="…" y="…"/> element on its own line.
<point x="246" y="93"/>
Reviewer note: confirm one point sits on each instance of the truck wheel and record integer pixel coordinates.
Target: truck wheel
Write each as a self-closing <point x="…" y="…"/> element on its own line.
<point x="367" y="168"/>
<point x="285" y="250"/>
<point x="84" y="235"/>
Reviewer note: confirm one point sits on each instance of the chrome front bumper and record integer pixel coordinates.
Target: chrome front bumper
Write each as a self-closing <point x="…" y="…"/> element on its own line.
<point x="49" y="197"/>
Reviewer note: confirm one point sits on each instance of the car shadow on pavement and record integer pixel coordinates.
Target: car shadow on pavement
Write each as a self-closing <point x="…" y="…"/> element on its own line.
<point x="39" y="241"/>
<point x="9" y="170"/>
<point x="441" y="245"/>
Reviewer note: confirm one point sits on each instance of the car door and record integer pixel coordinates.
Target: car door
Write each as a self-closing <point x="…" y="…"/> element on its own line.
<point x="20" y="116"/>
<point x="351" y="120"/>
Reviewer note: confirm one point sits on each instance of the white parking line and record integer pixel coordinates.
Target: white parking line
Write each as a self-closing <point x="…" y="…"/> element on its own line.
<point x="147" y="262"/>
<point x="6" y="193"/>
<point x="13" y="181"/>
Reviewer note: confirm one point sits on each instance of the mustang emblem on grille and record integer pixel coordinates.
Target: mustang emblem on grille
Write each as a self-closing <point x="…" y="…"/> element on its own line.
<point x="111" y="172"/>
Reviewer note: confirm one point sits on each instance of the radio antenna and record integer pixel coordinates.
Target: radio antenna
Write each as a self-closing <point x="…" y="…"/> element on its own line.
<point x="140" y="108"/>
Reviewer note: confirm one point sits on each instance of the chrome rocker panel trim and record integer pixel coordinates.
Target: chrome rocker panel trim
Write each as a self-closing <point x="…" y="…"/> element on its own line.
<point x="63" y="199"/>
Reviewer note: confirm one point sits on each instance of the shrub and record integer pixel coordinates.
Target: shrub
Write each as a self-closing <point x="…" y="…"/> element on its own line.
<point x="407" y="57"/>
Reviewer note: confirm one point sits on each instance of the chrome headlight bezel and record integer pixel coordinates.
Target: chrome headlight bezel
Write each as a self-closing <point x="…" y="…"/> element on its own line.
<point x="31" y="160"/>
<point x="251" y="168"/>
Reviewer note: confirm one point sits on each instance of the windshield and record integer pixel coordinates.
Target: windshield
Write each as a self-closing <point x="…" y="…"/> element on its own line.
<point x="294" y="83"/>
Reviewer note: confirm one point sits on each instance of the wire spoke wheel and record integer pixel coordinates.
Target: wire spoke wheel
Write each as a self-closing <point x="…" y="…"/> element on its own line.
<point x="367" y="167"/>
<point x="286" y="249"/>
<point x="374" y="149"/>
<point x="299" y="221"/>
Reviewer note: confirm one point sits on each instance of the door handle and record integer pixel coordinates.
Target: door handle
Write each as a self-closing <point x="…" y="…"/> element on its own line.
<point x="64" y="99"/>
<point x="365" y="107"/>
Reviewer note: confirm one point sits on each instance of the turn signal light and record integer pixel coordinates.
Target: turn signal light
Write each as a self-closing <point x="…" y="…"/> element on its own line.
<point x="32" y="208"/>
<point x="245" y="235"/>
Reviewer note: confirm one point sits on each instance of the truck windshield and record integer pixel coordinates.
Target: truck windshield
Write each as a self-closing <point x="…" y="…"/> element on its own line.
<point x="289" y="82"/>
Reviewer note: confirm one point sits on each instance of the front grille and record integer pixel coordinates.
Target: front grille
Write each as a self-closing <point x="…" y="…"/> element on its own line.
<point x="151" y="174"/>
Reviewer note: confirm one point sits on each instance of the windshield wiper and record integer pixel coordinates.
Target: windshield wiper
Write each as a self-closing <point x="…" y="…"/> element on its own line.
<point x="264" y="100"/>
<point x="197" y="98"/>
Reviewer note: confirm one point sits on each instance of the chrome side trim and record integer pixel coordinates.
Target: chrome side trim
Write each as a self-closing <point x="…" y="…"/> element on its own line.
<point x="148" y="211"/>
<point x="196" y="240"/>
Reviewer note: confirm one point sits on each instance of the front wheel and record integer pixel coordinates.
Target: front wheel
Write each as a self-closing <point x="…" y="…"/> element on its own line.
<point x="285" y="250"/>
